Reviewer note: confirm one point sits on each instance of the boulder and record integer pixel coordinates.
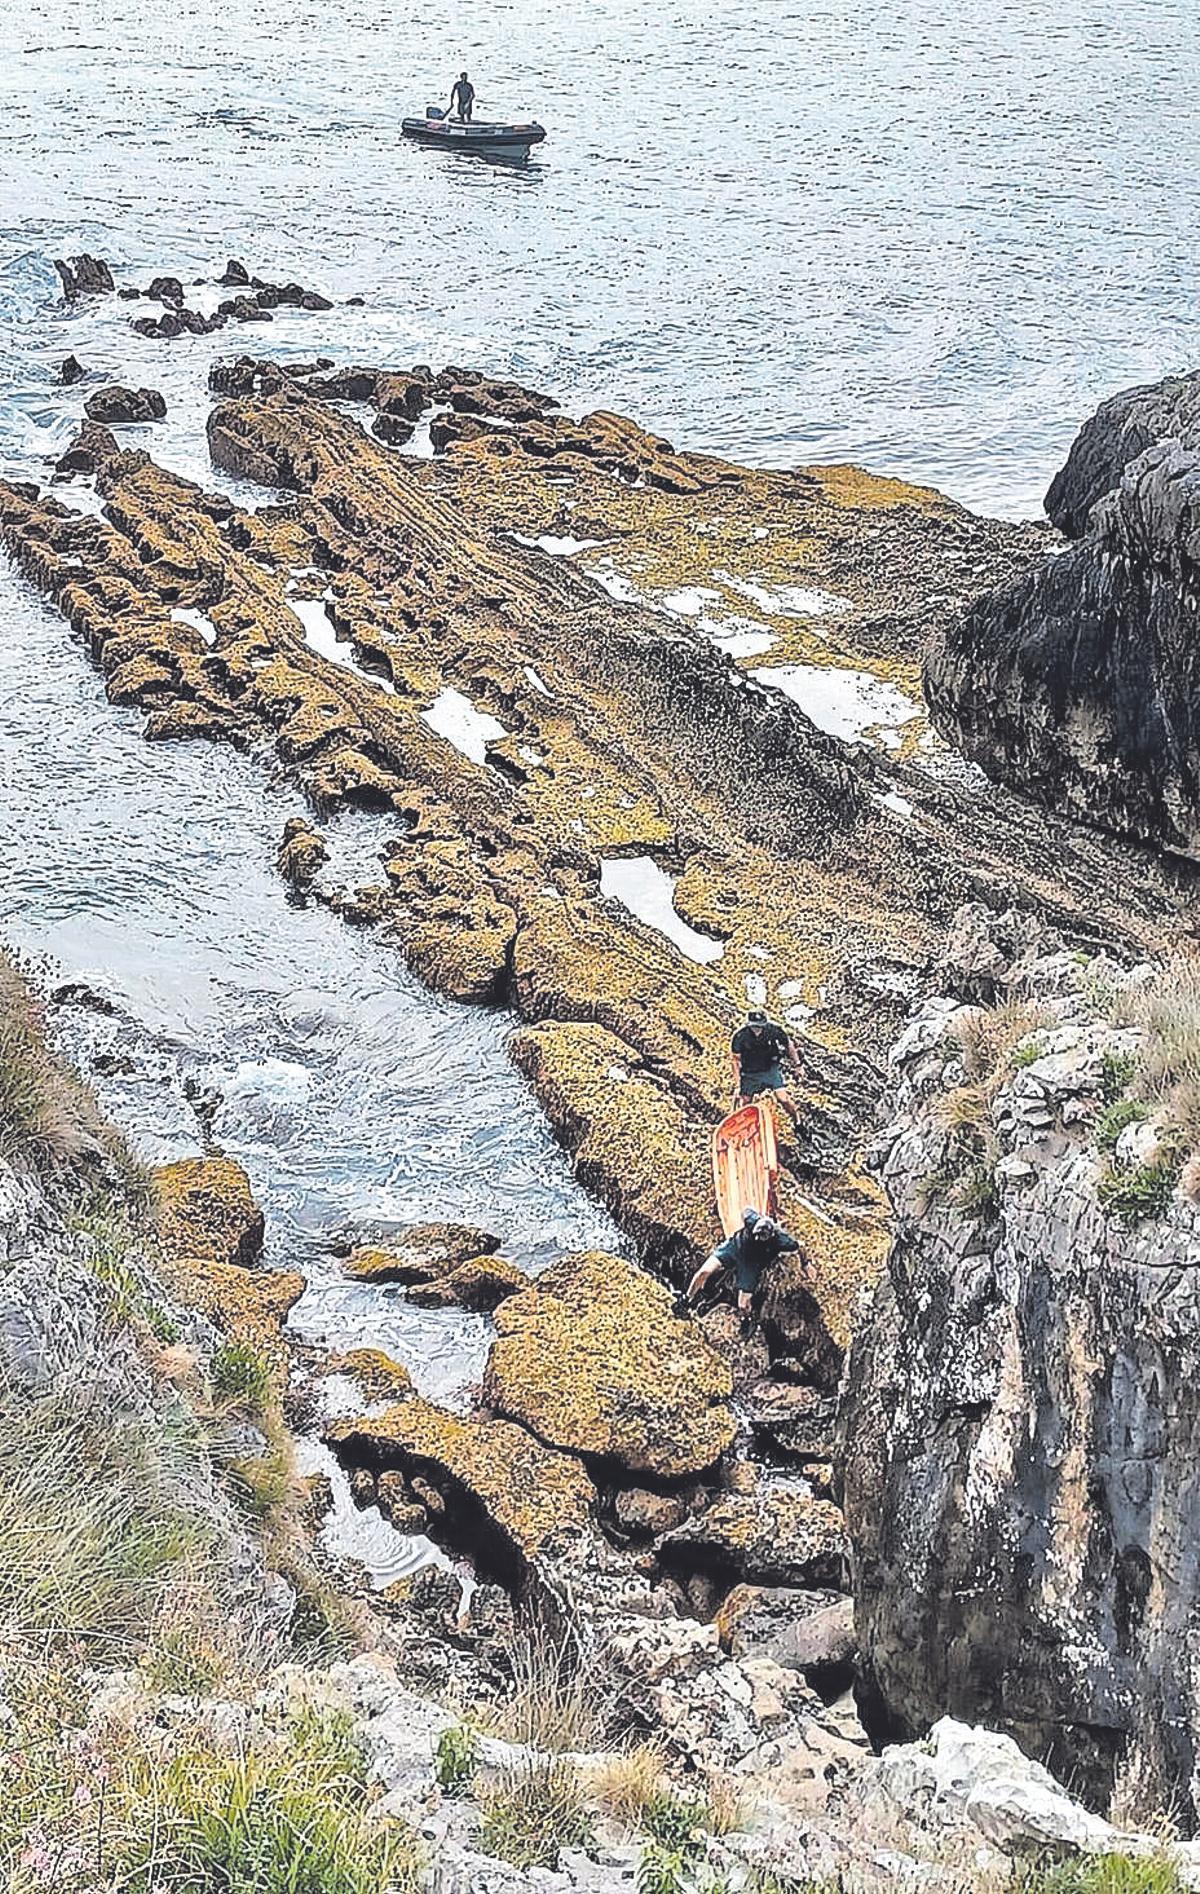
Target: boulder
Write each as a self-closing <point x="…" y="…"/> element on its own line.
<point x="1077" y="683"/>
<point x="503" y="1493"/>
<point x="205" y="1207"/>
<point x="71" y="371"/>
<point x="482" y="1284"/>
<point x="376" y="1374"/>
<point x="115" y="405"/>
<point x="1121" y="430"/>
<point x="592" y="1358"/>
<point x="91" y="447"/>
<point x="798" y="1421"/>
<point x="84" y="276"/>
<point x="645" y="1514"/>
<point x="420" y="1252"/>
<point x="302" y="852"/>
<point x="803" y="1630"/>
<point x="166" y="289"/>
<point x="778" y="1535"/>
<point x="236" y="276"/>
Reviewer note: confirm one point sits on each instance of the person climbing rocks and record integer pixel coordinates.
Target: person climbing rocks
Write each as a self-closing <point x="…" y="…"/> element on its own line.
<point x="462" y="98"/>
<point x="747" y="1253"/>
<point x="759" y="1049"/>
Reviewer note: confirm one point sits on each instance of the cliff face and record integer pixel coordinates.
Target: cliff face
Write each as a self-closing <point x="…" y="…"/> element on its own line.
<point x="1022" y="1484"/>
<point x="1078" y="682"/>
<point x="1121" y="430"/>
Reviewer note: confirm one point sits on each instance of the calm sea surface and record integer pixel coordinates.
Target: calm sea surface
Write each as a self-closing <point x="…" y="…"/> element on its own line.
<point x="926" y="236"/>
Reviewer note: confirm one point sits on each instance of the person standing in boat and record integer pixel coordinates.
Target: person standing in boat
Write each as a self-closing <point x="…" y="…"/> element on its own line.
<point x="462" y="99"/>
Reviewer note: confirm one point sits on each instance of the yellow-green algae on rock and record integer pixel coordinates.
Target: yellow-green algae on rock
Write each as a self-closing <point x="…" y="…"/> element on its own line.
<point x="497" y="1476"/>
<point x="593" y="1360"/>
<point x="210" y="1234"/>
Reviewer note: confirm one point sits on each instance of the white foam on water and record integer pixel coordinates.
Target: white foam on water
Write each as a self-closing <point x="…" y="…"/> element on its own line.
<point x="321" y="637"/>
<point x="188" y="615"/>
<point x="648" y="892"/>
<point x="789" y="601"/>
<point x="456" y="718"/>
<point x="419" y="445"/>
<point x="844" y="703"/>
<point x="365" y="1537"/>
<point x="558" y="546"/>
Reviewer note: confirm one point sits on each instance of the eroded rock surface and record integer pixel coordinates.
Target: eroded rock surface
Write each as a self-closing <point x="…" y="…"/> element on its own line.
<point x="1079" y="683"/>
<point x="1119" y="432"/>
<point x="1022" y="1421"/>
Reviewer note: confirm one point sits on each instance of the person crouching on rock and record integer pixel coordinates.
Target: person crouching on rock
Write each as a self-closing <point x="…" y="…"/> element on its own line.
<point x="759" y="1049"/>
<point x="747" y="1253"/>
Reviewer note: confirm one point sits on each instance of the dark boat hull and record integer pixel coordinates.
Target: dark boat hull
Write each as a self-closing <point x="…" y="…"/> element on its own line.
<point x="484" y="140"/>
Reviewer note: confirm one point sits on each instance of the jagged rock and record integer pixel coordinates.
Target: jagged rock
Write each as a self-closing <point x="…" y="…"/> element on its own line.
<point x="778" y="1535"/>
<point x="379" y="1377"/>
<point x="84" y="276"/>
<point x="1077" y="683"/>
<point x="798" y="1421"/>
<point x="244" y="309"/>
<point x="71" y="371"/>
<point x="1022" y="1436"/>
<point x="302" y="852"/>
<point x="166" y="289"/>
<point x="1121" y="430"/>
<point x="115" y="405"/>
<point x="592" y="1359"/>
<point x="91" y="447"/>
<point x="420" y="1252"/>
<point x="504" y="1493"/>
<point x="482" y="1283"/>
<point x="392" y="428"/>
<point x="236" y="275"/>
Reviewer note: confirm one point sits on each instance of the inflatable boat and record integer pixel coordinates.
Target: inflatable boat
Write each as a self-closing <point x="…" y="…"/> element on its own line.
<point x="486" y="141"/>
<point x="745" y="1164"/>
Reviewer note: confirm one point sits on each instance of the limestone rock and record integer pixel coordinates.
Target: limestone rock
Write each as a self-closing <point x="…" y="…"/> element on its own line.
<point x="591" y="1358"/>
<point x="1022" y="1436"/>
<point x="482" y="1284"/>
<point x="646" y="1514"/>
<point x="504" y="1492"/>
<point x="1121" y="429"/>
<point x="1076" y="684"/>
<point x="114" y="405"/>
<point x="379" y="1377"/>
<point x="92" y="446"/>
<point x="776" y="1536"/>
<point x="810" y="1631"/>
<point x="420" y="1252"/>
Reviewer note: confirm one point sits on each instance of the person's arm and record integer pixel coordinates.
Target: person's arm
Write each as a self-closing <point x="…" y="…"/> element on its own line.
<point x="787" y="1242"/>
<point x="792" y="1053"/>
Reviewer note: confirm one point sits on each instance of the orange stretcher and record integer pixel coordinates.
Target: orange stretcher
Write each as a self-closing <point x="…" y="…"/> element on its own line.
<point x="745" y="1164"/>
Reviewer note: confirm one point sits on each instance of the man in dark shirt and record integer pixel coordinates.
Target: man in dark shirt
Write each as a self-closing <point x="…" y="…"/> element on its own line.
<point x="462" y="98"/>
<point x="747" y="1253"/>
<point x="759" y="1049"/>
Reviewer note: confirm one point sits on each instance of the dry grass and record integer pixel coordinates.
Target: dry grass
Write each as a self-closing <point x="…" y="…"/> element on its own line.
<point x="988" y="1036"/>
<point x="49" y="1121"/>
<point x="558" y="1701"/>
<point x="1166" y="1011"/>
<point x="627" y="1784"/>
<point x="535" y="1811"/>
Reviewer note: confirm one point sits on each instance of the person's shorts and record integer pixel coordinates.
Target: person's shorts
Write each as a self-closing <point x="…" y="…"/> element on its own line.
<point x="769" y="1081"/>
<point x="747" y="1275"/>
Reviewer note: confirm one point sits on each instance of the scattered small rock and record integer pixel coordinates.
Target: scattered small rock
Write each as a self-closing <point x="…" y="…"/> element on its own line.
<point x="71" y="371"/>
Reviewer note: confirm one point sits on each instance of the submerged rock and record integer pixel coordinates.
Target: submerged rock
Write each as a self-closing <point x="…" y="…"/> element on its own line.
<point x="420" y="1252"/>
<point x="592" y="1359"/>
<point x="1077" y="684"/>
<point x="114" y="405"/>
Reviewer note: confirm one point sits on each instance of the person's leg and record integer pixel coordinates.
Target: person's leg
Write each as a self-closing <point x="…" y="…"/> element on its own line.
<point x="745" y="1304"/>
<point x="787" y="1103"/>
<point x="703" y="1275"/>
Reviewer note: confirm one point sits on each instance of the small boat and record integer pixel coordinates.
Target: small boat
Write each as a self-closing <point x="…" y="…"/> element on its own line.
<point x="745" y="1164"/>
<point x="487" y="141"/>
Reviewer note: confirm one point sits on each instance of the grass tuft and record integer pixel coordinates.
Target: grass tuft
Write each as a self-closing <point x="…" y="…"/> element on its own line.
<point x="1102" y="1874"/>
<point x="240" y="1373"/>
<point x="456" y="1758"/>
<point x="535" y="1811"/>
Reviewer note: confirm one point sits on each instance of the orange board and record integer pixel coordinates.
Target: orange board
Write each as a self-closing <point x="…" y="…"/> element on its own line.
<point x="745" y="1164"/>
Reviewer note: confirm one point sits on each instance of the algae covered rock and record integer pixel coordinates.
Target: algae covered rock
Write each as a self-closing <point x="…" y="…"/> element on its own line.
<point x="592" y="1358"/>
<point x="420" y="1253"/>
<point x="116" y="404"/>
<point x="778" y="1535"/>
<point x="481" y="1284"/>
<point x="501" y="1489"/>
<point x="302" y="852"/>
<point x="206" y="1208"/>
